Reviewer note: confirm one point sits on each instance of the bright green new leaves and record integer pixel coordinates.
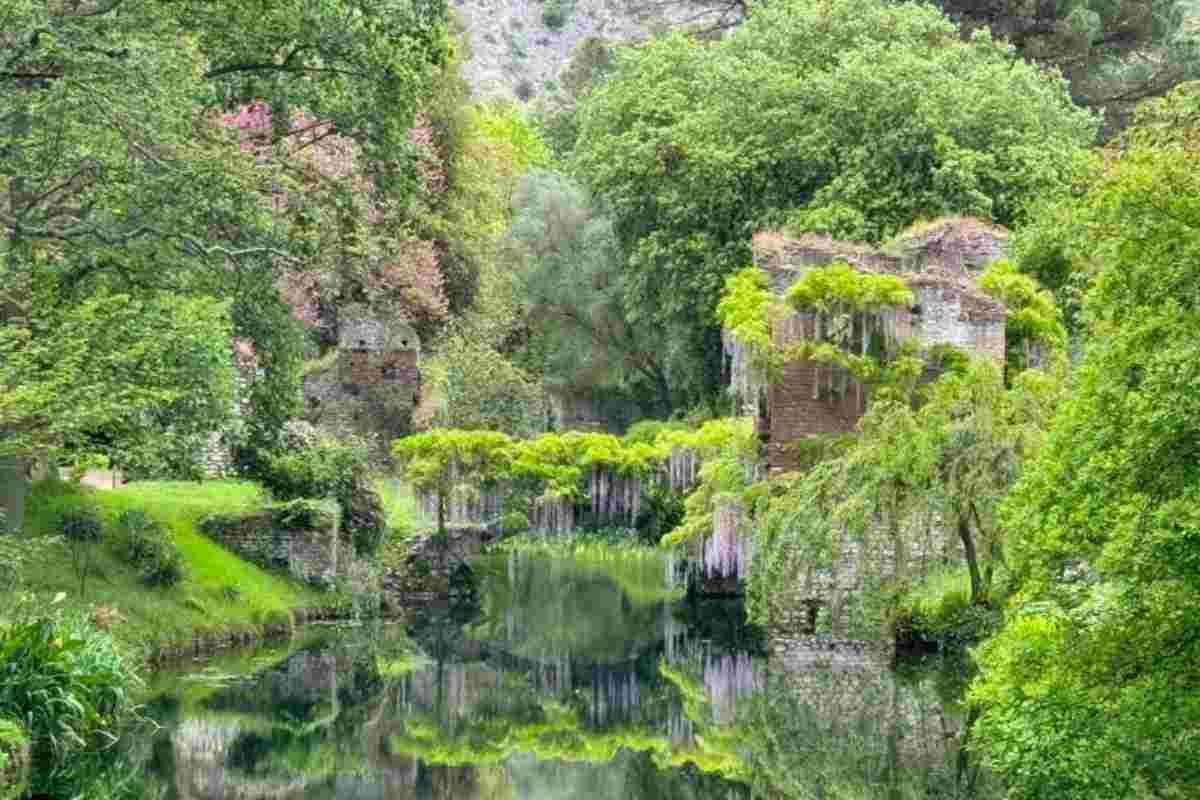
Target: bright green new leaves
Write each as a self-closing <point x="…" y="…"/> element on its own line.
<point x="745" y="309"/>
<point x="841" y="289"/>
<point x="551" y="466"/>
<point x="729" y="451"/>
<point x="436" y="458"/>
<point x="150" y="377"/>
<point x="849" y="117"/>
<point x="1034" y="324"/>
<point x="1091" y="691"/>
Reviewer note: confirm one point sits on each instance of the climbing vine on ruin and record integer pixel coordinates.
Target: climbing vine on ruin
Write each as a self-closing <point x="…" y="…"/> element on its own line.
<point x="1034" y="328"/>
<point x="718" y="511"/>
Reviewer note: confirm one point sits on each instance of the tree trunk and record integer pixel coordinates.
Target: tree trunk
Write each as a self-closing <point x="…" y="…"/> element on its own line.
<point x="968" y="543"/>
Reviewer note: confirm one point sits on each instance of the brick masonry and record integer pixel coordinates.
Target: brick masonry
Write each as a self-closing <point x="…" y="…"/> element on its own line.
<point x="939" y="262"/>
<point x="374" y="382"/>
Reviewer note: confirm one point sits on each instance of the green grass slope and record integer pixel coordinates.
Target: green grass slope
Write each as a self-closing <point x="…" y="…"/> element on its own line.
<point x="221" y="592"/>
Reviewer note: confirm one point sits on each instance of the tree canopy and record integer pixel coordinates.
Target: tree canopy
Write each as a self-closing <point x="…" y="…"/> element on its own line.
<point x="1091" y="688"/>
<point x="844" y="117"/>
<point x="1113" y="53"/>
<point x="120" y="180"/>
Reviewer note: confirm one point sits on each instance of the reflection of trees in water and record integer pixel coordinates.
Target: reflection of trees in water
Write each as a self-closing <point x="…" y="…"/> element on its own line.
<point x="544" y="609"/>
<point x="838" y="723"/>
<point x="614" y="708"/>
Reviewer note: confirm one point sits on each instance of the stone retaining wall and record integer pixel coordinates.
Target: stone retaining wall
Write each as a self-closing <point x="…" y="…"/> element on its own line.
<point x="826" y="597"/>
<point x="312" y="551"/>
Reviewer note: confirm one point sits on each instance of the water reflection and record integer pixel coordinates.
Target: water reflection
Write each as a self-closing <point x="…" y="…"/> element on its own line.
<point x="569" y="679"/>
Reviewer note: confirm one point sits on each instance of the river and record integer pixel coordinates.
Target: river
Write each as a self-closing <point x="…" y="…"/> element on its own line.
<point x="561" y="678"/>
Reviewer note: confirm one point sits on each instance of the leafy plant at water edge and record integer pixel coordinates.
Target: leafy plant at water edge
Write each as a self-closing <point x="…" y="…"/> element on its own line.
<point x="69" y="685"/>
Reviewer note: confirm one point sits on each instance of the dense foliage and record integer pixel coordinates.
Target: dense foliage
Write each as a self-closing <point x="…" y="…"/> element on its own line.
<point x="129" y="208"/>
<point x="71" y="687"/>
<point x="1090" y="689"/>
<point x="572" y="295"/>
<point x="1113" y="53"/>
<point x="911" y="476"/>
<point x="853" y="118"/>
<point x="336" y="469"/>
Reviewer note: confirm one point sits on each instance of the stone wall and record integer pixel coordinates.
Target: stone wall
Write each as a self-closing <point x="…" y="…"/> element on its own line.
<point x="14" y="487"/>
<point x="276" y="538"/>
<point x="430" y="564"/>
<point x="373" y="382"/>
<point x="826" y="594"/>
<point x="217" y="458"/>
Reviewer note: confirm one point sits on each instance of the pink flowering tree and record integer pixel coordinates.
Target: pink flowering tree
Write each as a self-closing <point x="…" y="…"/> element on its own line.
<point x="358" y="240"/>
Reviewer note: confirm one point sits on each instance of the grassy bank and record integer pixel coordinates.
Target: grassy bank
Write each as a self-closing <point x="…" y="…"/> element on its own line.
<point x="220" y="593"/>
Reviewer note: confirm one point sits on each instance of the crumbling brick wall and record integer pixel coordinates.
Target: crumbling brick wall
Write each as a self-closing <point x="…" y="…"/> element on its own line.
<point x="939" y="262"/>
<point x="374" y="382"/>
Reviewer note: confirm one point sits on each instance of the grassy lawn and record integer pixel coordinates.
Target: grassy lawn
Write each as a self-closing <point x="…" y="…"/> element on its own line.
<point x="220" y="592"/>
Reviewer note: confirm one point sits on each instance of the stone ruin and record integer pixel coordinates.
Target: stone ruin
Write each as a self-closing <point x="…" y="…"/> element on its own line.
<point x="373" y="383"/>
<point x="940" y="263"/>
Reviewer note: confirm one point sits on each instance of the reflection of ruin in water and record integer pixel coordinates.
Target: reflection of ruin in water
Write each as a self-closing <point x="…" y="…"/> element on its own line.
<point x="515" y="705"/>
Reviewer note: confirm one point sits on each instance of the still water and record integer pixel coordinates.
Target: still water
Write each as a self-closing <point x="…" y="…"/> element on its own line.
<point x="563" y="678"/>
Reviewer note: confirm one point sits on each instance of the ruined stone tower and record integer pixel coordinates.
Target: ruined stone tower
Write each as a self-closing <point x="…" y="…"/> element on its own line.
<point x="372" y="384"/>
<point x="939" y="262"/>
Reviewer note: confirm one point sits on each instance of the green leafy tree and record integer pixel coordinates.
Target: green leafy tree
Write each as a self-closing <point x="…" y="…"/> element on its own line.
<point x="570" y="283"/>
<point x="444" y="461"/>
<point x="850" y="118"/>
<point x="1090" y="689"/>
<point x="117" y="179"/>
<point x="1056" y="245"/>
<point x="142" y="380"/>
<point x="1033" y="329"/>
<point x="1113" y="53"/>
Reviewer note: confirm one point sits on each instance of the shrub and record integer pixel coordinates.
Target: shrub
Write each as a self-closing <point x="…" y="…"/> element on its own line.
<point x="661" y="512"/>
<point x="337" y="469"/>
<point x="147" y="545"/>
<point x="82" y="529"/>
<point x="939" y="609"/>
<point x="71" y="687"/>
<point x="307" y="515"/>
<point x="514" y="522"/>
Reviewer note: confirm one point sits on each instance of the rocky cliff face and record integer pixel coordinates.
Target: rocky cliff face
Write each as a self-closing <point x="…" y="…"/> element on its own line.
<point x="519" y="48"/>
